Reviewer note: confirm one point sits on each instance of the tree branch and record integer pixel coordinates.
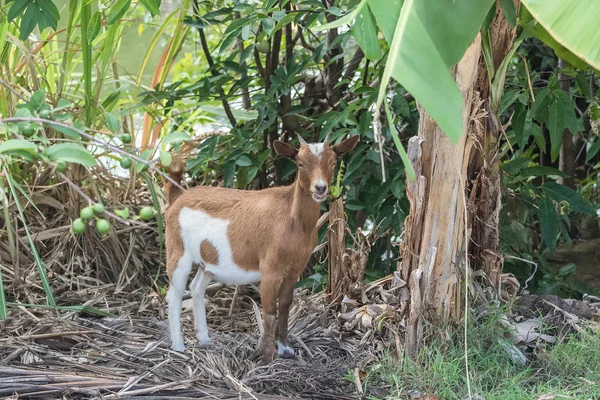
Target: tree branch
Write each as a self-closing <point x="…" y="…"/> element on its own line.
<point x="211" y="63"/>
<point x="215" y="73"/>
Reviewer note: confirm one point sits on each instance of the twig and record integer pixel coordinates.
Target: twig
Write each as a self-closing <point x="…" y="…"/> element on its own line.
<point x="97" y="141"/>
<point x="5" y="84"/>
<point x="234" y="300"/>
<point x="527" y="261"/>
<point x="357" y="382"/>
<point x="211" y="64"/>
<point x="379" y="139"/>
<point x="528" y="77"/>
<point x="50" y="335"/>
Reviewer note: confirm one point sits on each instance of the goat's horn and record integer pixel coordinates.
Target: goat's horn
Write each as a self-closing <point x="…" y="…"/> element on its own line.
<point x="327" y="138"/>
<point x="302" y="141"/>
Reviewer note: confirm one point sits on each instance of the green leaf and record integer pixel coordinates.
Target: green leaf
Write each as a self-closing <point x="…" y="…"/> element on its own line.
<point x="30" y="19"/>
<point x="548" y="221"/>
<point x="572" y="23"/>
<point x="567" y="271"/>
<point x="409" y="169"/>
<point x="165" y="158"/>
<point x="568" y="107"/>
<point x="94" y="27"/>
<point x="542" y="171"/>
<point x="516" y="165"/>
<point x="117" y="11"/>
<point x="70" y="152"/>
<point x="538" y="136"/>
<point x="235" y="67"/>
<point x="112" y="122"/>
<point x="228" y="173"/>
<point x="228" y="40"/>
<point x="542" y="100"/>
<point x="297" y="109"/>
<point x="152" y="5"/>
<point x="17" y="8"/>
<point x="386" y="13"/>
<point x="244" y="161"/>
<point x="235" y="25"/>
<point x="38" y="99"/>
<point x="509" y="12"/>
<point x="12" y="145"/>
<point x="430" y="37"/>
<point x="68" y="131"/>
<point x="592" y="151"/>
<point x="365" y="34"/>
<point x="345" y="20"/>
<point x="49" y="8"/>
<point x="268" y="25"/>
<point x="556" y="125"/>
<point x="563" y="193"/>
<point x="175" y="138"/>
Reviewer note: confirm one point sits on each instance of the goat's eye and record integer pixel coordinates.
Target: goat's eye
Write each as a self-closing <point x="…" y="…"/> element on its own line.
<point x="300" y="165"/>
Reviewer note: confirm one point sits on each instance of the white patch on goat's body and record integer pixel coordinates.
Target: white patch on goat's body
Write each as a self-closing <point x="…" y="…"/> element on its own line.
<point x="317" y="148"/>
<point x="196" y="226"/>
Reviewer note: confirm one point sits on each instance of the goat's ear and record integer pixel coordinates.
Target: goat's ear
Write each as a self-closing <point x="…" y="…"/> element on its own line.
<point x="345" y="145"/>
<point x="284" y="149"/>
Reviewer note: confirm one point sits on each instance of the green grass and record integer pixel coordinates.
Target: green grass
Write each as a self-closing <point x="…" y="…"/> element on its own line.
<point x="568" y="368"/>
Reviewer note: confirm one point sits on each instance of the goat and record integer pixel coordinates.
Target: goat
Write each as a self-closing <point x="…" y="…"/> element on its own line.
<point x="241" y="237"/>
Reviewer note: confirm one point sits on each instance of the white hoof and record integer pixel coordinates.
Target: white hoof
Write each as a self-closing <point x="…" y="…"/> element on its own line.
<point x="285" y="351"/>
<point x="178" y="346"/>
<point x="204" y="341"/>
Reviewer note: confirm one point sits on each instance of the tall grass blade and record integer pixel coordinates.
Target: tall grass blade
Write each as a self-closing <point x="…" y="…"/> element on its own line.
<point x="3" y="311"/>
<point x="38" y="261"/>
<point x="86" y="49"/>
<point x="159" y="220"/>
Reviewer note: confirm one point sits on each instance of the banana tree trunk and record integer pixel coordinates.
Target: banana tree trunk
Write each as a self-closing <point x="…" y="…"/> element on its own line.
<point x="455" y="201"/>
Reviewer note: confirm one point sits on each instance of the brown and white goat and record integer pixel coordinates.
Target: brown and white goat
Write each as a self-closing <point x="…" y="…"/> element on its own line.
<point x="240" y="237"/>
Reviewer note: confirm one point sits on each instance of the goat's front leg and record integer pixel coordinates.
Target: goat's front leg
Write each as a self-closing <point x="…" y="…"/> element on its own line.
<point x="269" y="289"/>
<point x="286" y="296"/>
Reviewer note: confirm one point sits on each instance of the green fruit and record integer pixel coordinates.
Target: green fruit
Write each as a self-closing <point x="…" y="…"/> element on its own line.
<point x="87" y="213"/>
<point x="147" y="213"/>
<point x="44" y="114"/>
<point x="98" y="208"/>
<point x="61" y="166"/>
<point x="124" y="213"/>
<point x="102" y="226"/>
<point x="78" y="226"/>
<point x="125" y="138"/>
<point x="125" y="162"/>
<point x="28" y="130"/>
<point x="263" y="46"/>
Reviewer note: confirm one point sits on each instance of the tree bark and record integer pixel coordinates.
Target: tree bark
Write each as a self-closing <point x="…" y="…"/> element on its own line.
<point x="455" y="201"/>
<point x="568" y="151"/>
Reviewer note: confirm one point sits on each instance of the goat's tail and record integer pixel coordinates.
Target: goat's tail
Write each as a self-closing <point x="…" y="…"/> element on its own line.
<point x="175" y="170"/>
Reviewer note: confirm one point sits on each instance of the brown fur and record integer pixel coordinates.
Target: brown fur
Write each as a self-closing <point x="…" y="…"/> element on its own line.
<point x="272" y="231"/>
<point x="209" y="253"/>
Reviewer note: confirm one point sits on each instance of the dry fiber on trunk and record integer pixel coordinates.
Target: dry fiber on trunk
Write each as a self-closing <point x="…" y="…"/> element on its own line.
<point x="452" y="180"/>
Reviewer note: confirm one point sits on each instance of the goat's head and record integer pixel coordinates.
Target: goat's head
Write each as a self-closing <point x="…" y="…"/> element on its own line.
<point x="316" y="163"/>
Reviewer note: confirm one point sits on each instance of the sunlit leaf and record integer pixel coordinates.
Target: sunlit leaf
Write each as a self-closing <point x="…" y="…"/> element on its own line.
<point x="572" y="23"/>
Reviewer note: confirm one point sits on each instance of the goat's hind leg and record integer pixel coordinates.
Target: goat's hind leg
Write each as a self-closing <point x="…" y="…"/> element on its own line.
<point x="198" y="288"/>
<point x="174" y="299"/>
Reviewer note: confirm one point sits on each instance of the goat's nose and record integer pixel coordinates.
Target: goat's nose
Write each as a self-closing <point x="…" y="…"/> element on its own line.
<point x="320" y="188"/>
